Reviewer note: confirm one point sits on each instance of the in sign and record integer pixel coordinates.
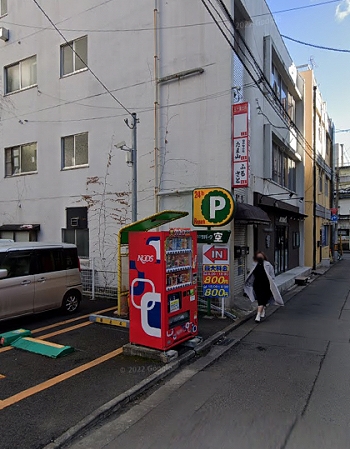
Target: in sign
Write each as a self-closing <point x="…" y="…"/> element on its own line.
<point x="215" y="254"/>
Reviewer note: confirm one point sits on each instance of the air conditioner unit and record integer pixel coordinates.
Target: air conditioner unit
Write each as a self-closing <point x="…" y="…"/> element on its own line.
<point x="74" y="222"/>
<point x="4" y="34"/>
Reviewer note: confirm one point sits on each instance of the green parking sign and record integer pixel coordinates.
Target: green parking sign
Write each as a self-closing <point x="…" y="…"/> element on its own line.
<point x="212" y="207"/>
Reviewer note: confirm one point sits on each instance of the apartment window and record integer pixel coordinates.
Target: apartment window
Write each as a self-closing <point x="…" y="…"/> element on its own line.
<point x="284" y="169"/>
<point x="320" y="178"/>
<point x="74" y="56"/>
<point x="326" y="186"/>
<point x="282" y="92"/>
<point x="21" y="159"/>
<point x="21" y="75"/>
<point x="75" y="150"/>
<point x="3" y="7"/>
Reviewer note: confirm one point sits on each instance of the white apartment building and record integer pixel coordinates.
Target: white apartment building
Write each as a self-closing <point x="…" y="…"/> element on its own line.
<point x="63" y="112"/>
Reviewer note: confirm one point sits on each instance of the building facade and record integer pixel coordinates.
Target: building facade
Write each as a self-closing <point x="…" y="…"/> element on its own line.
<point x="319" y="175"/>
<point x="343" y="202"/>
<point x="68" y="90"/>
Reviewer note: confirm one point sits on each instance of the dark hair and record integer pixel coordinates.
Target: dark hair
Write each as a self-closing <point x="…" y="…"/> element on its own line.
<point x="259" y="252"/>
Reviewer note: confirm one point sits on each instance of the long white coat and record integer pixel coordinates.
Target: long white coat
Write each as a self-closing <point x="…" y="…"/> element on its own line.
<point x="248" y="286"/>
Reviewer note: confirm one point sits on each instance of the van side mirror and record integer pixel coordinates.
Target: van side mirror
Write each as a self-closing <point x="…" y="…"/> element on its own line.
<point x="3" y="274"/>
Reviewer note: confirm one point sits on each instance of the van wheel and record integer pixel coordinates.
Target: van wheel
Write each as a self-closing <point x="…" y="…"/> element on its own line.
<point x="71" y="302"/>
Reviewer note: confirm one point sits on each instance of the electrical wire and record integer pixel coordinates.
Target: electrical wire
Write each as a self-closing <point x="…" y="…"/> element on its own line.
<point x="278" y="107"/>
<point x="49" y="29"/>
<point x="298" y="8"/>
<point x="321" y="47"/>
<point x="132" y="30"/>
<point x="84" y="62"/>
<point x="212" y="96"/>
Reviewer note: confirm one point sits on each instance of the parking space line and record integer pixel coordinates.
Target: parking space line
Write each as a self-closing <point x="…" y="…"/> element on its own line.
<point x="61" y="323"/>
<point x="56" y="380"/>
<point x="61" y="331"/>
<point x="53" y="334"/>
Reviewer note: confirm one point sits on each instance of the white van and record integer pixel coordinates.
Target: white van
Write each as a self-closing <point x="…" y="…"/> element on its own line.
<point x="35" y="277"/>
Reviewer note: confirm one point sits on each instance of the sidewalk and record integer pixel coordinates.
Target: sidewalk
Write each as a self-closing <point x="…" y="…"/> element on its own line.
<point x="285" y="385"/>
<point x="213" y="331"/>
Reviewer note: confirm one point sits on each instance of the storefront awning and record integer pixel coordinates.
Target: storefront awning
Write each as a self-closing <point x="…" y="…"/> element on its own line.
<point x="248" y="214"/>
<point x="20" y="227"/>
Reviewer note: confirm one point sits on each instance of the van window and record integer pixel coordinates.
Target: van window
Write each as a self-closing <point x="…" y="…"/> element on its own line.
<point x="70" y="257"/>
<point x="49" y="260"/>
<point x="17" y="263"/>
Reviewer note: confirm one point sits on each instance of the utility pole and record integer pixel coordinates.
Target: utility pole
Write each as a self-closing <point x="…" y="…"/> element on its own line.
<point x="134" y="165"/>
<point x="314" y="263"/>
<point x="131" y="160"/>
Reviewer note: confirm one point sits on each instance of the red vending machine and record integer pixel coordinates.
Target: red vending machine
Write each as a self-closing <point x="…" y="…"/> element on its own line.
<point x="163" y="287"/>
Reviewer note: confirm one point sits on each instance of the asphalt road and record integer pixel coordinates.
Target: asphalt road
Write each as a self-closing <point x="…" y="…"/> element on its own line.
<point x="41" y="398"/>
<point x="32" y="411"/>
<point x="286" y="385"/>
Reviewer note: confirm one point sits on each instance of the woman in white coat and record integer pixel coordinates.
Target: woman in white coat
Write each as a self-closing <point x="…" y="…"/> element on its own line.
<point x="260" y="285"/>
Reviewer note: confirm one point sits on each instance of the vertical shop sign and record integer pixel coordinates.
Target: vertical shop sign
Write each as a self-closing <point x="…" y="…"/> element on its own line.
<point x="240" y="145"/>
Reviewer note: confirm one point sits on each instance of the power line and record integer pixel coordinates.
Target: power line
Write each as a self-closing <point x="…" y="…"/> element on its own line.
<point x="271" y="95"/>
<point x="131" y="30"/>
<point x="321" y="47"/>
<point x="40" y="29"/>
<point x="297" y="8"/>
<point x="84" y="62"/>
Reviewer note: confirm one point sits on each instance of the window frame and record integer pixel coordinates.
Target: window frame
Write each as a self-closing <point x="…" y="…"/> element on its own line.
<point x="2" y="2"/>
<point x="19" y="64"/>
<point x="74" y="166"/>
<point x="320" y="181"/>
<point x="283" y="168"/>
<point x="72" y="44"/>
<point x="282" y="92"/>
<point x="76" y="236"/>
<point x="20" y="147"/>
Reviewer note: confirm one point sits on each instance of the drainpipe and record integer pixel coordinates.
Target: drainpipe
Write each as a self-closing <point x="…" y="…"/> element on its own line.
<point x="156" y="105"/>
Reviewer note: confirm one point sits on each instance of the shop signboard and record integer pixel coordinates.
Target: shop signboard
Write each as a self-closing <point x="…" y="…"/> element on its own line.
<point x="216" y="271"/>
<point x="212" y="207"/>
<point x="240" y="145"/>
<point x="216" y="280"/>
<point x="213" y="236"/>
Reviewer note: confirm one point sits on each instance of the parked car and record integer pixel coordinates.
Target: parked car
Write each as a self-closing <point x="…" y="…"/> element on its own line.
<point x="36" y="277"/>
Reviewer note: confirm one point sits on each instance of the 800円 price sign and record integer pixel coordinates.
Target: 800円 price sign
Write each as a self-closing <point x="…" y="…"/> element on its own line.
<point x="216" y="281"/>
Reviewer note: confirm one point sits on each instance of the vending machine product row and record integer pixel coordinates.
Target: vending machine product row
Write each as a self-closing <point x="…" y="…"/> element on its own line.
<point x="163" y="287"/>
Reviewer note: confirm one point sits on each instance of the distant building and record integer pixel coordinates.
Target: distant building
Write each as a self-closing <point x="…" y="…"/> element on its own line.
<point x="343" y="198"/>
<point x="319" y="175"/>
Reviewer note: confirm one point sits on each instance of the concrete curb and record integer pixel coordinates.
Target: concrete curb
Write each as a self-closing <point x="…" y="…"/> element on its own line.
<point x="115" y="404"/>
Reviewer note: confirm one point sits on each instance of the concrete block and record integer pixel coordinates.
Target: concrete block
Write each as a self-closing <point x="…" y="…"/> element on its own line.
<point x="302" y="280"/>
<point x="150" y="353"/>
<point x="193" y="342"/>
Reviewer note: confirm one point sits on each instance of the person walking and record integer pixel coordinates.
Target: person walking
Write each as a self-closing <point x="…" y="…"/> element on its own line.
<point x="260" y="285"/>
